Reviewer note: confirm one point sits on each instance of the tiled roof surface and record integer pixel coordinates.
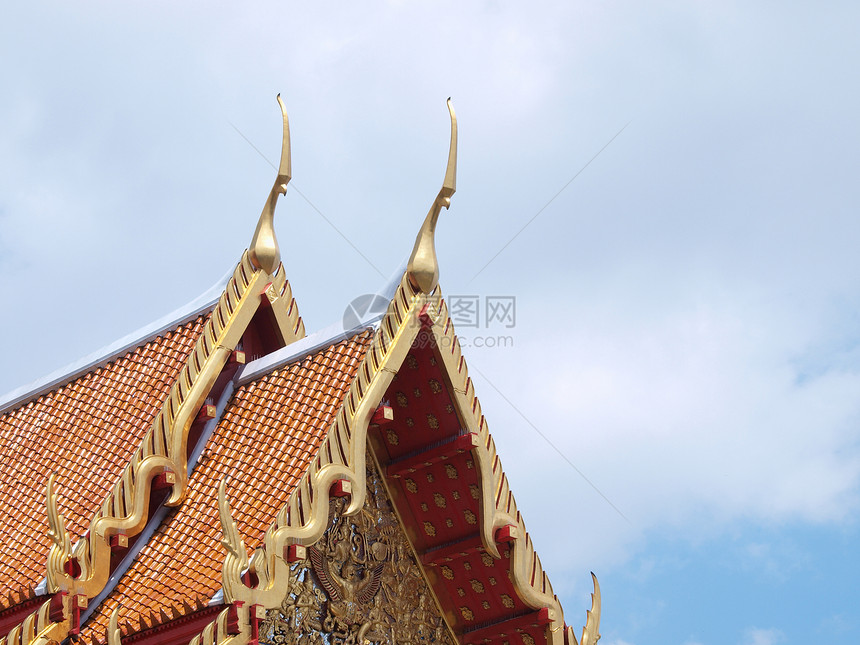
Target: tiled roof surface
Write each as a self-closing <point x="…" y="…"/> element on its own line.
<point x="269" y="433"/>
<point x="85" y="431"/>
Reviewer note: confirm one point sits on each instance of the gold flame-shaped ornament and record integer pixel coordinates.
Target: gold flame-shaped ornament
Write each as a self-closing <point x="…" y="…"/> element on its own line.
<point x="236" y="560"/>
<point x="114" y="635"/>
<point x="61" y="545"/>
<point x="264" y="251"/>
<point x="591" y="631"/>
<point x="423" y="267"/>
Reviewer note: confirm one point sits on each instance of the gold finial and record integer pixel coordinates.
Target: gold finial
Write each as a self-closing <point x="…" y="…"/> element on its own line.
<point x="264" y="250"/>
<point x="423" y="268"/>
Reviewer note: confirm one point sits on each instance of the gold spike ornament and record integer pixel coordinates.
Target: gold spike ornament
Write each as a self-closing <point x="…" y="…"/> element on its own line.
<point x="264" y="252"/>
<point x="591" y="631"/>
<point x="423" y="267"/>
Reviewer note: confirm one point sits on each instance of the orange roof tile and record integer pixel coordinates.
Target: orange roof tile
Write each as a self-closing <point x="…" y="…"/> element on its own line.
<point x="85" y="431"/>
<point x="265" y="440"/>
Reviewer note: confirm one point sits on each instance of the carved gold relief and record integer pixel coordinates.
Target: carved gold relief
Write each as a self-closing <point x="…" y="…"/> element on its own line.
<point x="360" y="586"/>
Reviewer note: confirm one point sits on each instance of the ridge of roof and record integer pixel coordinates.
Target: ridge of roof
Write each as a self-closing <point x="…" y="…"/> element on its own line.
<point x="117" y="348"/>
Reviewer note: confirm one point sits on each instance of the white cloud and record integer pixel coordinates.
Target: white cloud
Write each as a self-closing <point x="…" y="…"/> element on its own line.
<point x="756" y="636"/>
<point x="688" y="307"/>
<point x="690" y="419"/>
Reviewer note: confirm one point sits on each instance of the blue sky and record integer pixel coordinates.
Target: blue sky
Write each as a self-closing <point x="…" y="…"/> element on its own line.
<point x="687" y="307"/>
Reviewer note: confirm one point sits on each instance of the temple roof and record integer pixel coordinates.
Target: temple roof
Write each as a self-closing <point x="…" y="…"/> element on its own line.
<point x="127" y="461"/>
<point x="270" y="430"/>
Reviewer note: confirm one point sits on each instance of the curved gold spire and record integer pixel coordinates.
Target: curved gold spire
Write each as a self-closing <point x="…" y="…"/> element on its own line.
<point x="591" y="631"/>
<point x="264" y="250"/>
<point x="423" y="267"/>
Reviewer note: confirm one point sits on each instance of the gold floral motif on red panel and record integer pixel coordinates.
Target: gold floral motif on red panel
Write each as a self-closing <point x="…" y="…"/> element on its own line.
<point x="360" y="585"/>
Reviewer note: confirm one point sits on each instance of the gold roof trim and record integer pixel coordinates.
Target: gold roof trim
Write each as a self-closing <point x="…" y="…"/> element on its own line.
<point x="37" y="629"/>
<point x="342" y="456"/>
<point x="423" y="266"/>
<point x="164" y="448"/>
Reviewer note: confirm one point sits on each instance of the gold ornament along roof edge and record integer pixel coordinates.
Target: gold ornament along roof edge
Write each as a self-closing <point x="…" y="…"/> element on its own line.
<point x="342" y="456"/>
<point x="163" y="451"/>
<point x="416" y="307"/>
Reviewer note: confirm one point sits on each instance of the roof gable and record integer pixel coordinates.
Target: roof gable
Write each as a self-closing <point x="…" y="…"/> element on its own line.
<point x="415" y="329"/>
<point x="464" y="530"/>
